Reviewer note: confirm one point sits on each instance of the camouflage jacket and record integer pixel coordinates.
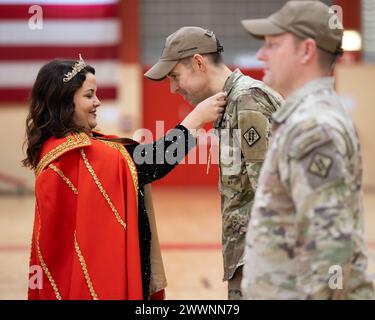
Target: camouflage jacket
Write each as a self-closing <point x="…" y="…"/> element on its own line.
<point x="305" y="239"/>
<point x="244" y="134"/>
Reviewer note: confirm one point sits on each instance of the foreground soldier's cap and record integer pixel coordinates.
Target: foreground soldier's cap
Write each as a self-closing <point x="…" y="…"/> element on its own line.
<point x="185" y="42"/>
<point x="305" y="19"/>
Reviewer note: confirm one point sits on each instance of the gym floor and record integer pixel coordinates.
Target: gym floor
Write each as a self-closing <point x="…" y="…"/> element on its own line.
<point x="189" y="226"/>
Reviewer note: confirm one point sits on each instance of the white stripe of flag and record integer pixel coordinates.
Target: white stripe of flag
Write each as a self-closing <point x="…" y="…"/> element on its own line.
<point x="59" y="32"/>
<point x="19" y="75"/>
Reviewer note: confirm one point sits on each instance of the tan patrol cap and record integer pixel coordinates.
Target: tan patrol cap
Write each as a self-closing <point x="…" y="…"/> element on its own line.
<point x="305" y="19"/>
<point x="185" y="42"/>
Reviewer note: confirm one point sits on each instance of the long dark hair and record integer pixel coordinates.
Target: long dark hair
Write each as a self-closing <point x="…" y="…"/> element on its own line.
<point x="51" y="107"/>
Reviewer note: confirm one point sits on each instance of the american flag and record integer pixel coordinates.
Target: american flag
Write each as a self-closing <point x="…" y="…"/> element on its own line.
<point x="31" y="35"/>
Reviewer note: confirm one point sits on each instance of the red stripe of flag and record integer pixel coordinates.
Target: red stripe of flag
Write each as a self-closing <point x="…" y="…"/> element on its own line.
<point x="52" y="52"/>
<point x="22" y="95"/>
<point x="100" y="11"/>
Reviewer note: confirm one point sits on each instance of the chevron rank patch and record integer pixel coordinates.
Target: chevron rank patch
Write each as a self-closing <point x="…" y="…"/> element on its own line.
<point x="251" y="136"/>
<point x="320" y="165"/>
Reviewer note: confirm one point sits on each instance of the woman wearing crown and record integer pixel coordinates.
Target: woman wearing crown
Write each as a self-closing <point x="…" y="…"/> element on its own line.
<point x="94" y="234"/>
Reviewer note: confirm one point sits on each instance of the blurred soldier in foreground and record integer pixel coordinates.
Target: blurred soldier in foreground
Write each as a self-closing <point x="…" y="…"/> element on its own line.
<point x="305" y="239"/>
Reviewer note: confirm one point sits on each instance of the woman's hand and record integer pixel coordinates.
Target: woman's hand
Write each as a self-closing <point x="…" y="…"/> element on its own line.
<point x="207" y="111"/>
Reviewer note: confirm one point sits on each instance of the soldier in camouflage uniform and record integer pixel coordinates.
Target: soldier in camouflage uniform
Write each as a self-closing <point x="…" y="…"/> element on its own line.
<point x="192" y="61"/>
<point x="305" y="239"/>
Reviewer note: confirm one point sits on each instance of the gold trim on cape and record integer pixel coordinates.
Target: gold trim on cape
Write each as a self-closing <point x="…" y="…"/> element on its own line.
<point x="62" y="176"/>
<point x="101" y="189"/>
<point x="43" y="264"/>
<point x="74" y="140"/>
<point x="129" y="160"/>
<point x="84" y="268"/>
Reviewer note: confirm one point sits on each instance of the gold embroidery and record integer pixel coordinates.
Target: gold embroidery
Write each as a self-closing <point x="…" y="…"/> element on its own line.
<point x="101" y="189"/>
<point x="124" y="152"/>
<point x="61" y="174"/>
<point x="74" y="140"/>
<point x="84" y="268"/>
<point x="44" y="266"/>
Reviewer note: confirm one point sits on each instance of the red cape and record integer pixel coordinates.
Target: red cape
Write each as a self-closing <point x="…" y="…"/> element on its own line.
<point x="85" y="236"/>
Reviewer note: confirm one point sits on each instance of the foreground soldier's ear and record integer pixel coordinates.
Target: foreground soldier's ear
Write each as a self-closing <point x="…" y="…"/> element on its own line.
<point x="309" y="50"/>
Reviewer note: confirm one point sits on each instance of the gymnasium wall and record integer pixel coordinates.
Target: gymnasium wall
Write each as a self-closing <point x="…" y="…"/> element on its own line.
<point x="354" y="83"/>
<point x="141" y="102"/>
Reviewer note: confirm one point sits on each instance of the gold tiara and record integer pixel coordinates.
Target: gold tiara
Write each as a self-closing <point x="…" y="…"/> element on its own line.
<point x="77" y="67"/>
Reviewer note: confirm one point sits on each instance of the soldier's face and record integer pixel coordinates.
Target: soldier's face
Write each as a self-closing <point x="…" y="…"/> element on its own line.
<point x="281" y="62"/>
<point x="190" y="82"/>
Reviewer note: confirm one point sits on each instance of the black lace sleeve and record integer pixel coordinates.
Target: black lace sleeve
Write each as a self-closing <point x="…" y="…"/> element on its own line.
<point x="155" y="160"/>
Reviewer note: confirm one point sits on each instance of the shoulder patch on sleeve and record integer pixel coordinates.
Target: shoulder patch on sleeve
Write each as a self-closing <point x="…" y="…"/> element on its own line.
<point x="320" y="165"/>
<point x="251" y="136"/>
<point x="255" y="134"/>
